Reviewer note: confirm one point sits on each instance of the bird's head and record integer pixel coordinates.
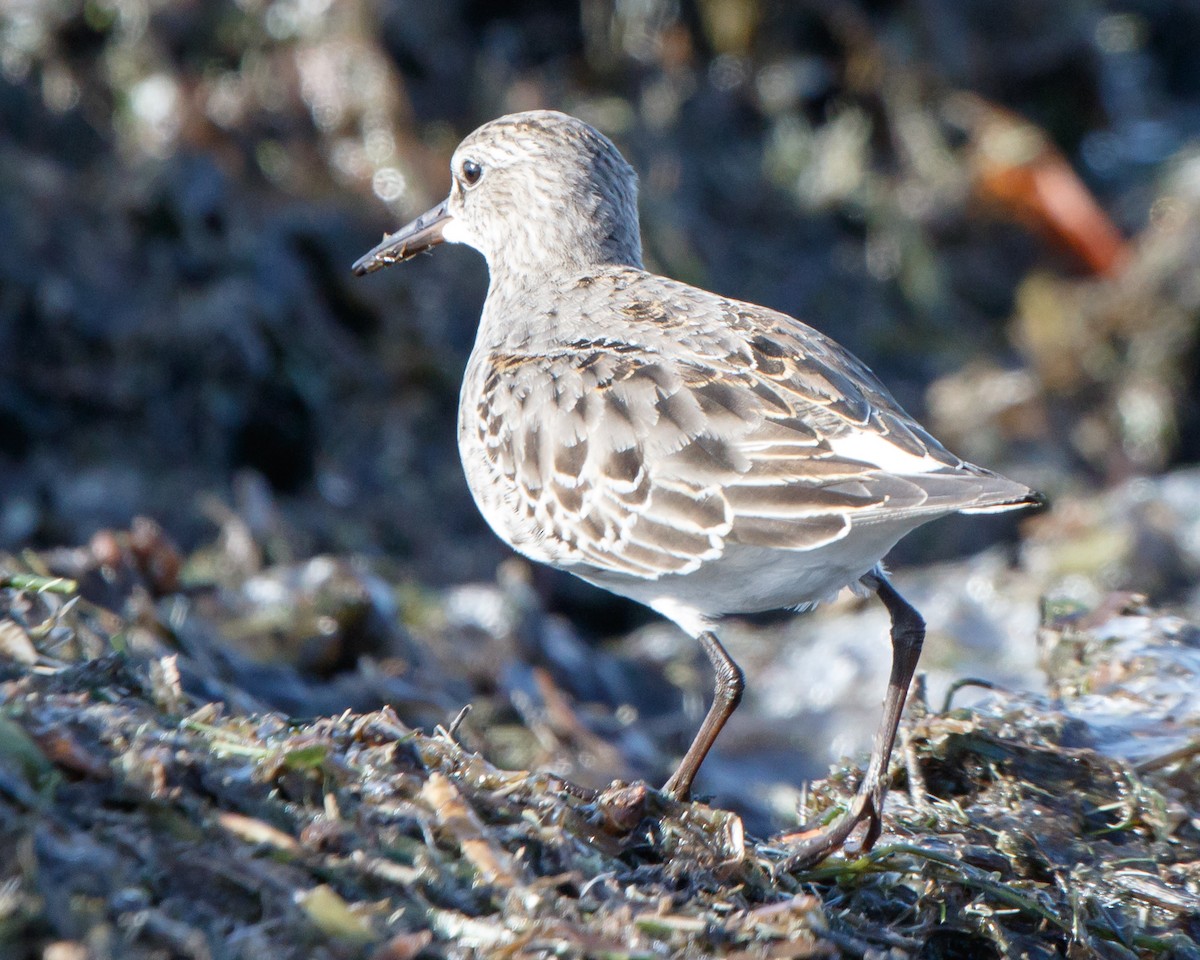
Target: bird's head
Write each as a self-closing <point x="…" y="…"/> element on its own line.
<point x="533" y="192"/>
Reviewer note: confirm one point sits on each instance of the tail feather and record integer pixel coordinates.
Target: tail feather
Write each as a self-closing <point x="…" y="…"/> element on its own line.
<point x="1028" y="499"/>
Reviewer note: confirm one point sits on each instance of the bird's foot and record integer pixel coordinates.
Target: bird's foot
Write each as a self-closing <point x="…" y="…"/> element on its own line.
<point x="809" y="847"/>
<point x="677" y="788"/>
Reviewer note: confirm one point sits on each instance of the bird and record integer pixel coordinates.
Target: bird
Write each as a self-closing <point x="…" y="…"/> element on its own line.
<point x="703" y="456"/>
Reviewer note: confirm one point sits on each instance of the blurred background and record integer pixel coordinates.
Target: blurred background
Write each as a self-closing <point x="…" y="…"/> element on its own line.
<point x="207" y="419"/>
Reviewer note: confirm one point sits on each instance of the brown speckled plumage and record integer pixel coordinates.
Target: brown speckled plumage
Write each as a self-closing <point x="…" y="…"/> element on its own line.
<point x="693" y="425"/>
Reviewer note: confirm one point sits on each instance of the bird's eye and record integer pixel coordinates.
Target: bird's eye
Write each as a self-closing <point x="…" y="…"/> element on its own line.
<point x="471" y="172"/>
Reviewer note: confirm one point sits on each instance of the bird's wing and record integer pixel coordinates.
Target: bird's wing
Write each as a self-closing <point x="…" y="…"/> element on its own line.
<point x="635" y="462"/>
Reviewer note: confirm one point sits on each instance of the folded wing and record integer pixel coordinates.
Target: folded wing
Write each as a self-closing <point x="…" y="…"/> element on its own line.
<point x="625" y="461"/>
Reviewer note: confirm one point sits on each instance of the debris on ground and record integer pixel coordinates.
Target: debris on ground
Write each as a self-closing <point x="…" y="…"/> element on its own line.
<point x="140" y="820"/>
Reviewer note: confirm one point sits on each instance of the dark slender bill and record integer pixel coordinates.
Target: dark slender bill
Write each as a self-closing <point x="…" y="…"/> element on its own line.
<point x="415" y="238"/>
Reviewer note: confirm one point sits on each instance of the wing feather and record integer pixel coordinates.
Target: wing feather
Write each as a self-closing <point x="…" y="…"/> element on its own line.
<point x="645" y="462"/>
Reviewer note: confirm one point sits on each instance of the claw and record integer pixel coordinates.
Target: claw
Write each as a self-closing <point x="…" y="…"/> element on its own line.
<point x="814" y="846"/>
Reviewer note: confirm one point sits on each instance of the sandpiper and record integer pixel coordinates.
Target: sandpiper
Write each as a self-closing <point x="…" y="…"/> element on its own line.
<point x="703" y="456"/>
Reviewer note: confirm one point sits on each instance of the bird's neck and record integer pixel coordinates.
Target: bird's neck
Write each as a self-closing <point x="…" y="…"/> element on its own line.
<point x="548" y="251"/>
<point x="516" y="307"/>
<point x="550" y="266"/>
<point x="526" y="306"/>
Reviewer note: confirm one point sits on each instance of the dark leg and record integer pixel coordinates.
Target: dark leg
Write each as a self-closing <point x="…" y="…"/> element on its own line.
<point x="730" y="684"/>
<point x="908" y="634"/>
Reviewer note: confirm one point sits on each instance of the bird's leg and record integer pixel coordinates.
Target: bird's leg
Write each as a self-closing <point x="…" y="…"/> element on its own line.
<point x="730" y="682"/>
<point x="908" y="635"/>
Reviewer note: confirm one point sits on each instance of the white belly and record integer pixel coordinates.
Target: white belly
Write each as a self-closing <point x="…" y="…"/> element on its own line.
<point x="756" y="579"/>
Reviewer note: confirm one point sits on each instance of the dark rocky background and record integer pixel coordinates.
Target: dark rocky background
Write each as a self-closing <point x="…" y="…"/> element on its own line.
<point x="998" y="208"/>
<point x="183" y="186"/>
<point x="244" y="460"/>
